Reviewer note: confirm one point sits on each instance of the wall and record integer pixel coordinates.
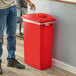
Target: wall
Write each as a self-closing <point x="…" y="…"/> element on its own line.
<point x="64" y="42"/>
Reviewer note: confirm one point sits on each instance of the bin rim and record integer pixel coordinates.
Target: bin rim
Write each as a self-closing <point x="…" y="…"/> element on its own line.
<point x="38" y="23"/>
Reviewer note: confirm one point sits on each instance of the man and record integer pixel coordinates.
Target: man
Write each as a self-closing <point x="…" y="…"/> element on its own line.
<point x="8" y="19"/>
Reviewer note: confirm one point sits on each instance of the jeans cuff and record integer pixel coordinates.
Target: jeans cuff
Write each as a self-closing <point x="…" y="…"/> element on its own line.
<point x="0" y="60"/>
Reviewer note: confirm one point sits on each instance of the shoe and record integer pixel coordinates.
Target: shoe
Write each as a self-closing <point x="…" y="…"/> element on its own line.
<point x="1" y="71"/>
<point x="15" y="63"/>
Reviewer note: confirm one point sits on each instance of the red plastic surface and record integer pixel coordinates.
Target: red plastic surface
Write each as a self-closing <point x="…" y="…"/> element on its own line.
<point x="39" y="17"/>
<point x="38" y="44"/>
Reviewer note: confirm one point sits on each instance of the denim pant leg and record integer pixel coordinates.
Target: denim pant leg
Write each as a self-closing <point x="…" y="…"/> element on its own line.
<point x="3" y="17"/>
<point x="11" y="31"/>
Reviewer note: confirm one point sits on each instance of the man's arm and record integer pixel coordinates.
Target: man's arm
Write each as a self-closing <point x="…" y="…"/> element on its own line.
<point x="32" y="6"/>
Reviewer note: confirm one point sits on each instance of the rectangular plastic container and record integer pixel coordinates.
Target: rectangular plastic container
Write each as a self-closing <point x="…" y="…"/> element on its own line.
<point x="38" y="38"/>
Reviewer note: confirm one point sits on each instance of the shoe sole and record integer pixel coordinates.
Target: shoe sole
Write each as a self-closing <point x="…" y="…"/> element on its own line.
<point x="15" y="67"/>
<point x="1" y="73"/>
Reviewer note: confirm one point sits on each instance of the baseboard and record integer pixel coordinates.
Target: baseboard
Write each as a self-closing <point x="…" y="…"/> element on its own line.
<point x="64" y="66"/>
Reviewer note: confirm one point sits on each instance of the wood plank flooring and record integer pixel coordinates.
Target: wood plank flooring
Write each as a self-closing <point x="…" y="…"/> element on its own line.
<point x="29" y="71"/>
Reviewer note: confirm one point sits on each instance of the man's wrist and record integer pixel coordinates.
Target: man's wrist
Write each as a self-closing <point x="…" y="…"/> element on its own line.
<point x="28" y="1"/>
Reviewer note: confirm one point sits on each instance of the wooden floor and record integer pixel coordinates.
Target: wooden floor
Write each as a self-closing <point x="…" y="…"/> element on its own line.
<point x="29" y="71"/>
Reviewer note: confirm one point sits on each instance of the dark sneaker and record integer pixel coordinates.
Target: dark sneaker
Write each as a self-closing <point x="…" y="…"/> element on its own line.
<point x="15" y="63"/>
<point x="1" y="71"/>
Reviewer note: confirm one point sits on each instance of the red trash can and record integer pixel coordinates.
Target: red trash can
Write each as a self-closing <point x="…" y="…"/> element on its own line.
<point x="38" y="38"/>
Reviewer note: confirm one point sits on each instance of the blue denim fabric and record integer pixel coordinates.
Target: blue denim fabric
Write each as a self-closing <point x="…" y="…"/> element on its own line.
<point x="8" y="20"/>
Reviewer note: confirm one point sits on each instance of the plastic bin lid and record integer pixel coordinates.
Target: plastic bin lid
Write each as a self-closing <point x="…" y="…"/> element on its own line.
<point x="39" y="17"/>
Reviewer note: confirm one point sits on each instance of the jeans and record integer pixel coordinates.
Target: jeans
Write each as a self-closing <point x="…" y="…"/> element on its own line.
<point x="8" y="20"/>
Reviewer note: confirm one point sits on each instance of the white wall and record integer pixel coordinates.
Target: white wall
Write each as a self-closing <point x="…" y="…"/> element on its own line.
<point x="64" y="42"/>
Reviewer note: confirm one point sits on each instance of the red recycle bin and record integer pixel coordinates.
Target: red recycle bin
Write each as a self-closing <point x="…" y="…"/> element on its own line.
<point x="38" y="38"/>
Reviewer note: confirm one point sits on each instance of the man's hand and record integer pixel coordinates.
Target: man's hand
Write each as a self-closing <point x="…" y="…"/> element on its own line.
<point x="32" y="6"/>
